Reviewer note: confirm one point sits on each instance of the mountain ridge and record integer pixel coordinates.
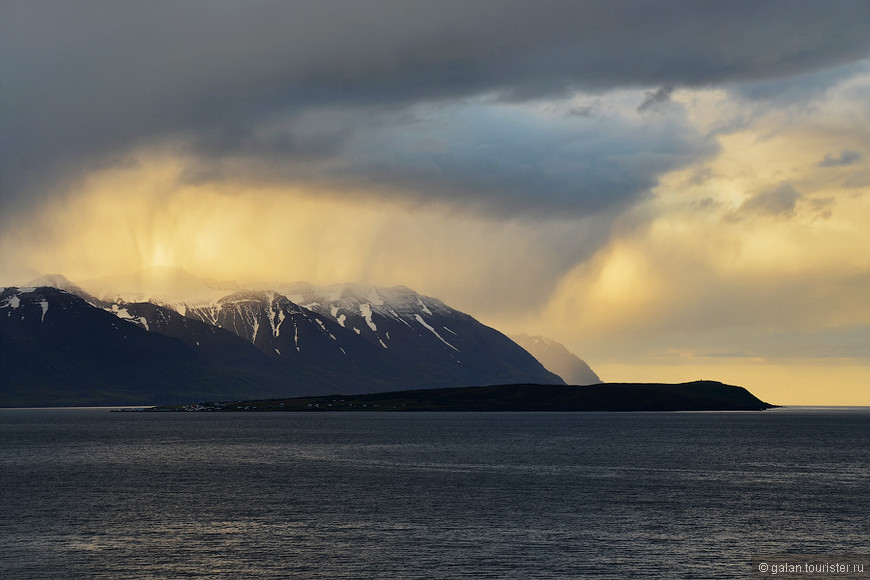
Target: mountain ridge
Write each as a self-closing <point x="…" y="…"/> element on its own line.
<point x="351" y="339"/>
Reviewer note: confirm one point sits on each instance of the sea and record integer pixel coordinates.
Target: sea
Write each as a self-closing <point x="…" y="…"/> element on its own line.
<point x="87" y="493"/>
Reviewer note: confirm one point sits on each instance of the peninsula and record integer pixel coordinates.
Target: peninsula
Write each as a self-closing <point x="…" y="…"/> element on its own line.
<point x="693" y="396"/>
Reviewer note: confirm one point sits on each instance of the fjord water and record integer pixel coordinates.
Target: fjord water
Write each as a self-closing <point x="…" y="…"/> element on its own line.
<point x="93" y="494"/>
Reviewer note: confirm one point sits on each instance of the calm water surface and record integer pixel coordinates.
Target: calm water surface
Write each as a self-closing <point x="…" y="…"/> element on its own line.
<point x="93" y="494"/>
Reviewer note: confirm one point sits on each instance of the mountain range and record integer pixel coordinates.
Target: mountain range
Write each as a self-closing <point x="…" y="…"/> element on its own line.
<point x="164" y="336"/>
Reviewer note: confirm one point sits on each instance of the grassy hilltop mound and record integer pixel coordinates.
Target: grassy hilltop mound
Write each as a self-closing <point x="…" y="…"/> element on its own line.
<point x="694" y="396"/>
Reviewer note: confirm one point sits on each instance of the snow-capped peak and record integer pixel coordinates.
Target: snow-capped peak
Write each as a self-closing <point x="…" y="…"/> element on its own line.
<point x="61" y="282"/>
<point x="58" y="281"/>
<point x="348" y="303"/>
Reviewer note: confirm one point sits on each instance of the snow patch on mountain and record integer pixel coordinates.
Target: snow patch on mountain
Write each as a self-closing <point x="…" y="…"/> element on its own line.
<point x="332" y="299"/>
<point x="423" y="306"/>
<point x="124" y="314"/>
<point x="366" y="311"/>
<point x="433" y="331"/>
<point x="275" y="313"/>
<point x="323" y="327"/>
<point x="44" y="305"/>
<point x="296" y="337"/>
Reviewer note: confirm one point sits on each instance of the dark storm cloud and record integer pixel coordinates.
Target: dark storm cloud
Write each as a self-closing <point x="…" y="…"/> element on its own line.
<point x="513" y="161"/>
<point x="801" y="87"/>
<point x="485" y="157"/>
<point x="83" y="80"/>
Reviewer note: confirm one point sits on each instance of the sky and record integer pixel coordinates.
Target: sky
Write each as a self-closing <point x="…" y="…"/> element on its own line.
<point x="674" y="190"/>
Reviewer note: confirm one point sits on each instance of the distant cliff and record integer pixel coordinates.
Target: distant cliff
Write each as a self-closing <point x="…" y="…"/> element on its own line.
<point x="557" y="359"/>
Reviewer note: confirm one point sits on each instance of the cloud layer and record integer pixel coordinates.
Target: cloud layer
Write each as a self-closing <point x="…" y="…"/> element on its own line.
<point x="84" y="82"/>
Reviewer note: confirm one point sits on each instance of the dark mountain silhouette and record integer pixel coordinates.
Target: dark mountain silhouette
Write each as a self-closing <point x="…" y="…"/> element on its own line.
<point x="60" y="348"/>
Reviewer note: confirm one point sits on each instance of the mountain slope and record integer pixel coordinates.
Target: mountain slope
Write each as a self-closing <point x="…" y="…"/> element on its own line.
<point x="558" y="359"/>
<point x="305" y="343"/>
<point x="439" y="346"/>
<point x="210" y="343"/>
<point x="370" y="338"/>
<point x="247" y="344"/>
<point x="56" y="349"/>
